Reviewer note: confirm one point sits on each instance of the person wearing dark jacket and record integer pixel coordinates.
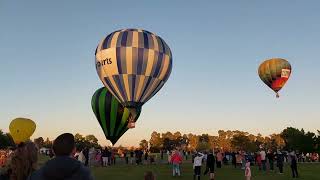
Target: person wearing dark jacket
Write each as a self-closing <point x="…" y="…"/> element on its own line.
<point x="294" y="166"/>
<point x="210" y="165"/>
<point x="270" y="156"/>
<point x="280" y="159"/>
<point x="63" y="166"/>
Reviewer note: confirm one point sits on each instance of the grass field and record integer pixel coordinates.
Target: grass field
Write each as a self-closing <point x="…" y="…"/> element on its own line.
<point x="308" y="171"/>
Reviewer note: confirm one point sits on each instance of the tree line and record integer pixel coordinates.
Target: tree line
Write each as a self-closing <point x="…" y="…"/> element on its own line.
<point x="289" y="139"/>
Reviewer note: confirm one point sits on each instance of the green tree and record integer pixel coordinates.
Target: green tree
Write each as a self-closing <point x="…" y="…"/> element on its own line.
<point x="39" y="142"/>
<point x="240" y="142"/>
<point x="92" y="141"/>
<point x="292" y="138"/>
<point x="5" y="140"/>
<point x="47" y="143"/>
<point x="143" y="144"/>
<point x="193" y="142"/>
<point x="156" y="142"/>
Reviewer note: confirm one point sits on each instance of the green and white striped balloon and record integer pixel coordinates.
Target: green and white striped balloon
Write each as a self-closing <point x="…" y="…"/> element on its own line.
<point x="111" y="115"/>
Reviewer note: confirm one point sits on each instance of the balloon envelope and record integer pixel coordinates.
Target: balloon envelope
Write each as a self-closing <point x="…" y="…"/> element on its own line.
<point x="275" y="73"/>
<point x="133" y="64"/>
<point x="21" y="129"/>
<point x="112" y="115"/>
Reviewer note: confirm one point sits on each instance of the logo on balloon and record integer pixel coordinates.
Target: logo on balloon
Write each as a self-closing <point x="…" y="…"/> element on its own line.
<point x="103" y="62"/>
<point x="285" y="73"/>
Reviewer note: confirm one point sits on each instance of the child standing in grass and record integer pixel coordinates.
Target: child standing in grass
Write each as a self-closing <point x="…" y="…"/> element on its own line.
<point x="247" y="173"/>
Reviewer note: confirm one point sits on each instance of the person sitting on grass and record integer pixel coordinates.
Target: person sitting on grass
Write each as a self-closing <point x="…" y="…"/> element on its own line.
<point x="63" y="166"/>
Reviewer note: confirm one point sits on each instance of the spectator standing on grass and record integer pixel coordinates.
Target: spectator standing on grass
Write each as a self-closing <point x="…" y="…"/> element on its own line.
<point x="263" y="159"/>
<point x="63" y="166"/>
<point x="92" y="156"/>
<point x="81" y="157"/>
<point x="280" y="160"/>
<point x="126" y="158"/>
<point x="161" y="154"/>
<point x="146" y="156"/>
<point x="131" y="157"/>
<point x="247" y="173"/>
<point x="234" y="159"/>
<point x="293" y="164"/>
<point x="259" y="161"/>
<point x="197" y="163"/>
<point x="169" y="157"/>
<point x="105" y="157"/>
<point x="86" y="155"/>
<point x="176" y="160"/>
<point x="210" y="165"/>
<point x="219" y="159"/>
<point x="98" y="158"/>
<point x="270" y="157"/>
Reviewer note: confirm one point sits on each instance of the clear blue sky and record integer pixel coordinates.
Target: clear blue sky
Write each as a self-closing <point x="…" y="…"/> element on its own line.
<point x="47" y="70"/>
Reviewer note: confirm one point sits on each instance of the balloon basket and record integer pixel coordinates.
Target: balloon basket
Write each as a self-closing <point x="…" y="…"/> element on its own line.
<point x="131" y="125"/>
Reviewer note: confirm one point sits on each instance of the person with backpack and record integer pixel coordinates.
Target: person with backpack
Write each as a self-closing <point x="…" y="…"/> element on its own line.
<point x="63" y="165"/>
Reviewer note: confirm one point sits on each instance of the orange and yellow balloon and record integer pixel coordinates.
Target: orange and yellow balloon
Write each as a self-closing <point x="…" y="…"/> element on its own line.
<point x="275" y="73"/>
<point x="21" y="129"/>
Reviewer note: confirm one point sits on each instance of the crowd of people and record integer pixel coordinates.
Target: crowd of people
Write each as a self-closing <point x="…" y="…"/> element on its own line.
<point x="264" y="160"/>
<point x="68" y="162"/>
<point x="95" y="157"/>
<point x="22" y="163"/>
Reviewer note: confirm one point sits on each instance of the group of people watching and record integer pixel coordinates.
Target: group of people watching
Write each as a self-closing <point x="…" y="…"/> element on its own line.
<point x="107" y="157"/>
<point x="68" y="163"/>
<point x="23" y="162"/>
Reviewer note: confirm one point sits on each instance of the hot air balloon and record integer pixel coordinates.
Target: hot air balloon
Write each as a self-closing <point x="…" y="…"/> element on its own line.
<point x="112" y="116"/>
<point x="133" y="64"/>
<point x="21" y="129"/>
<point x="275" y="73"/>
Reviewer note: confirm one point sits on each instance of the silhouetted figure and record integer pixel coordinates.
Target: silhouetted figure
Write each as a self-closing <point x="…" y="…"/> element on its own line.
<point x="293" y="165"/>
<point x="63" y="166"/>
<point x="210" y="165"/>
<point x="280" y="159"/>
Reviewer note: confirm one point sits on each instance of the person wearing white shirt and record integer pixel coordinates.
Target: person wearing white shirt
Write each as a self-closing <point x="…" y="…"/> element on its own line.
<point x="263" y="159"/>
<point x="197" y="163"/>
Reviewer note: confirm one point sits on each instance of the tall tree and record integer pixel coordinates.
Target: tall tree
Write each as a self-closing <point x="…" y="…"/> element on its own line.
<point x="156" y="142"/>
<point x="5" y="140"/>
<point x="39" y="142"/>
<point x="143" y="144"/>
<point x="47" y="143"/>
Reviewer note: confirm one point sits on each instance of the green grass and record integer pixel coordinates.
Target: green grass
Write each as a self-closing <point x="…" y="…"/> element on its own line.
<point x="163" y="172"/>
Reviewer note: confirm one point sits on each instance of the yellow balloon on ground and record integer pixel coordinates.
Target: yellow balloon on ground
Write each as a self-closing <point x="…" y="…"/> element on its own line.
<point x="21" y="129"/>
